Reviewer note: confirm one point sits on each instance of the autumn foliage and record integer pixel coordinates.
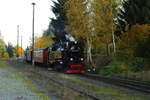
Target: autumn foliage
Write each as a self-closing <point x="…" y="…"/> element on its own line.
<point x="42" y="42"/>
<point x="19" y="51"/>
<point x="131" y="39"/>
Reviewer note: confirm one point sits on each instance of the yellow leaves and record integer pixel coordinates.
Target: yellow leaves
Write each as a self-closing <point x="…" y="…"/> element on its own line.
<point x="41" y="42"/>
<point x="137" y="34"/>
<point x="103" y="16"/>
<point x="19" y="51"/>
<point x="131" y="39"/>
<point x="5" y="55"/>
<point x="2" y="44"/>
<point x="76" y="19"/>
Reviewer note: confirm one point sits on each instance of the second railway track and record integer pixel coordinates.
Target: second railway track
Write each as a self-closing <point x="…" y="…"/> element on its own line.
<point x="127" y="83"/>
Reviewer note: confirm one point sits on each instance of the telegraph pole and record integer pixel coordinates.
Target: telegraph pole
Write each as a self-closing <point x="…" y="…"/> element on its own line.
<point x="17" y="40"/>
<point x="33" y="4"/>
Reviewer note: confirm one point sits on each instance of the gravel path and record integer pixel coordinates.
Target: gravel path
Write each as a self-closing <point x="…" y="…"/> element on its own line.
<point x="14" y="87"/>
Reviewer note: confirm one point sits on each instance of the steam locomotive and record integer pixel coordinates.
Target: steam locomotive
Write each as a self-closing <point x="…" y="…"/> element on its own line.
<point x="66" y="56"/>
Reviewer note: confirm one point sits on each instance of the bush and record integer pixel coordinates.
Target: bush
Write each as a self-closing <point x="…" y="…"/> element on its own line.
<point x="98" y="63"/>
<point x="139" y="64"/>
<point x="114" y="68"/>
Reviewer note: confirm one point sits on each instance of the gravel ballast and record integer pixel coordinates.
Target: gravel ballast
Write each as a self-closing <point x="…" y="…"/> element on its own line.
<point x="15" y="87"/>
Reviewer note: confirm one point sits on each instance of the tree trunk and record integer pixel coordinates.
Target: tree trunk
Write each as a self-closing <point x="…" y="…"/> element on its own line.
<point x="107" y="49"/>
<point x="113" y="36"/>
<point x="89" y="49"/>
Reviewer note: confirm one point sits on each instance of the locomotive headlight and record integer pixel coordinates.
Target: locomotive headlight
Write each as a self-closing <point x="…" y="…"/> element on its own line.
<point x="81" y="59"/>
<point x="71" y="59"/>
<point x="61" y="62"/>
<point x="75" y="42"/>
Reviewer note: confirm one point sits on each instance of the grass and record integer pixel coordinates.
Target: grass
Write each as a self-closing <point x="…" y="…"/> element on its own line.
<point x="143" y="75"/>
<point x="3" y="65"/>
<point x="127" y="69"/>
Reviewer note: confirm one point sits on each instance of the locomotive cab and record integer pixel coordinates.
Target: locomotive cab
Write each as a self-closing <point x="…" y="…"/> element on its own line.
<point x="55" y="57"/>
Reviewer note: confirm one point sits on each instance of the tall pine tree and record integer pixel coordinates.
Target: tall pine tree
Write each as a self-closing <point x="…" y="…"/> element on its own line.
<point x="133" y="12"/>
<point x="57" y="25"/>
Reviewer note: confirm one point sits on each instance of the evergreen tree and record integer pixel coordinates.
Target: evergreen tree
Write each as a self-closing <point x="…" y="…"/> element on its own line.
<point x="133" y="12"/>
<point x="10" y="50"/>
<point x="58" y="29"/>
<point x="57" y="25"/>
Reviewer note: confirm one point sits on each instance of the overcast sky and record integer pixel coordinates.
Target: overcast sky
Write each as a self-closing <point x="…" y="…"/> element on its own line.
<point x="19" y="12"/>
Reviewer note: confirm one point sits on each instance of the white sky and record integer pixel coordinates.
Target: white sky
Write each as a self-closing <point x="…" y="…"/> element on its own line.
<point x="19" y="12"/>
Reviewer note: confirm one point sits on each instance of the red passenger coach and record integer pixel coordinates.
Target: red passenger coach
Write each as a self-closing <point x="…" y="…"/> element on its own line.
<point x="41" y="56"/>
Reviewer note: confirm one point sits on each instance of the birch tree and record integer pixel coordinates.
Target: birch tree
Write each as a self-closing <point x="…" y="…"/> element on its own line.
<point x="105" y="12"/>
<point x="91" y="19"/>
<point x="80" y="22"/>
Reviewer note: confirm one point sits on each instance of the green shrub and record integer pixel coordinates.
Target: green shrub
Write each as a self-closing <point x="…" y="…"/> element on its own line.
<point x="114" y="68"/>
<point x="139" y="64"/>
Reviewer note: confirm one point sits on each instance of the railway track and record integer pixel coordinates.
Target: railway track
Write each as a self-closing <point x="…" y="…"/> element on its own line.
<point x="72" y="86"/>
<point x="127" y="83"/>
